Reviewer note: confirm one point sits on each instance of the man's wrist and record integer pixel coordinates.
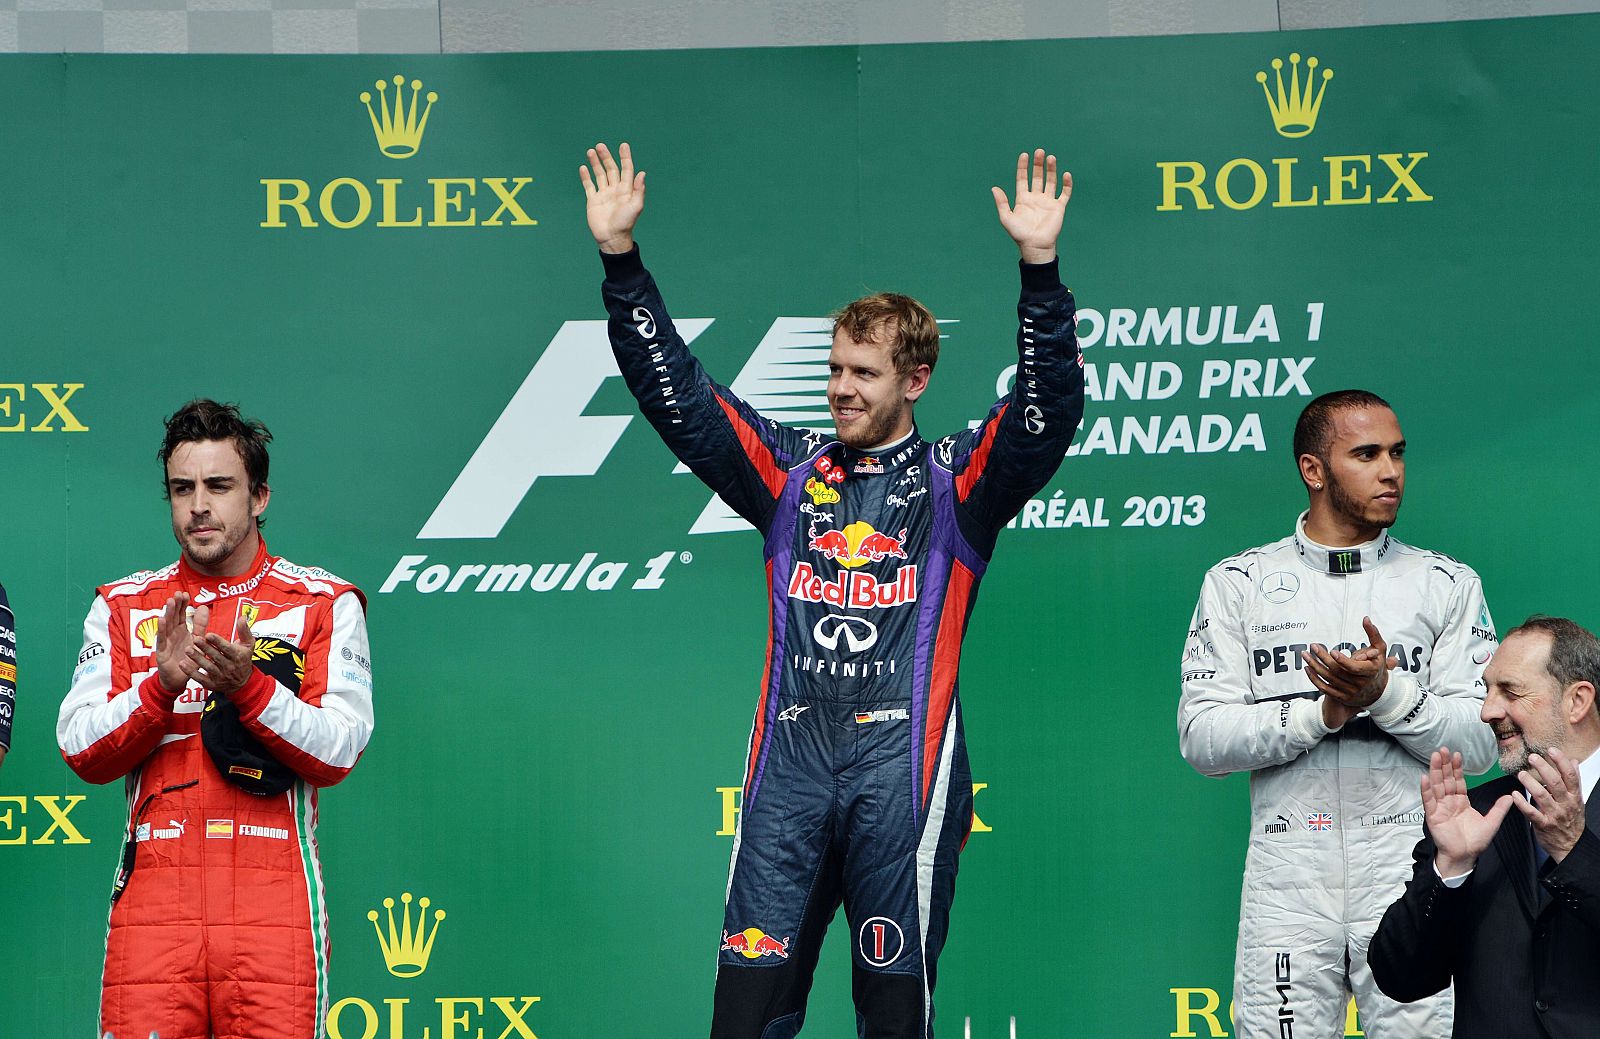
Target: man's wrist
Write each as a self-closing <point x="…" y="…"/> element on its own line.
<point x="617" y="245"/>
<point x="154" y="694"/>
<point x="1450" y="868"/>
<point x="1306" y="723"/>
<point x="1034" y="254"/>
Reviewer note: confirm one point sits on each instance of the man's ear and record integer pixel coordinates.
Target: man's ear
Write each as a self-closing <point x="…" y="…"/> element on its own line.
<point x="1579" y="702"/>
<point x="1313" y="472"/>
<point x="917" y="381"/>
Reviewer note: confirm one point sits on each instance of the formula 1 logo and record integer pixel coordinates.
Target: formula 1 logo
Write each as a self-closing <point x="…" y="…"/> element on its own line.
<point x="545" y="429"/>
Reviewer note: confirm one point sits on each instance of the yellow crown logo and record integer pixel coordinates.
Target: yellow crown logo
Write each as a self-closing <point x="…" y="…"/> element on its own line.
<point x="1295" y="113"/>
<point x="406" y="951"/>
<point x="399" y="131"/>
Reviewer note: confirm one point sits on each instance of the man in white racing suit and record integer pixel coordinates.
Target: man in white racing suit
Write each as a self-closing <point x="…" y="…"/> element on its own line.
<point x="1330" y="665"/>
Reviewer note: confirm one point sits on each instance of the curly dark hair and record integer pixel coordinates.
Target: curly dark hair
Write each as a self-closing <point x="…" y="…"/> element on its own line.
<point x="205" y="419"/>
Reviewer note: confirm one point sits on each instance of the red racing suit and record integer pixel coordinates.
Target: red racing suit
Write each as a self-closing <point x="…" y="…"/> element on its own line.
<point x="218" y="924"/>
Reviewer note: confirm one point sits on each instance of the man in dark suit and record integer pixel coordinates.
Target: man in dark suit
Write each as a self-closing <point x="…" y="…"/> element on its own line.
<point x="1506" y="904"/>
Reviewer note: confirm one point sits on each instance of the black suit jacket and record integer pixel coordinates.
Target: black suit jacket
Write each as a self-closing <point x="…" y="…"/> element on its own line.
<point x="1519" y="970"/>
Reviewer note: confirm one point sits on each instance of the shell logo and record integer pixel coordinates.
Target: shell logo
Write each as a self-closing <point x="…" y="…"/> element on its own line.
<point x="146" y="631"/>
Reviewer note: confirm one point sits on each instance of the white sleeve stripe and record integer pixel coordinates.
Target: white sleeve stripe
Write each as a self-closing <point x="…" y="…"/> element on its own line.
<point x="336" y="732"/>
<point x="86" y="714"/>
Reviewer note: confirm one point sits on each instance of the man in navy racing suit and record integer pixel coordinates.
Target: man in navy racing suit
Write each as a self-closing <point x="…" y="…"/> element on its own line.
<point x="856" y="788"/>
<point x="8" y="672"/>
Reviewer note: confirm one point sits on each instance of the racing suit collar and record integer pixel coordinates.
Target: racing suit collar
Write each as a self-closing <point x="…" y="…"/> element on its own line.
<point x="203" y="589"/>
<point x="895" y="456"/>
<point x="1352" y="560"/>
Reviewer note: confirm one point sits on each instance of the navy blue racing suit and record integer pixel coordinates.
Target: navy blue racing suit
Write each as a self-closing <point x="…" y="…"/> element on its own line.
<point x="8" y="669"/>
<point x="856" y="788"/>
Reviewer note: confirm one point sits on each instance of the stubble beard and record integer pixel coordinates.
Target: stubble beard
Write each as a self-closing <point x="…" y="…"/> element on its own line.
<point x="215" y="553"/>
<point x="875" y="432"/>
<point x="1357" y="511"/>
<point x="1515" y="759"/>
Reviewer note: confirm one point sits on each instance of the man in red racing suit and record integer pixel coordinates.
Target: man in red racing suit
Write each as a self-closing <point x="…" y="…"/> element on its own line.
<point x="218" y="924"/>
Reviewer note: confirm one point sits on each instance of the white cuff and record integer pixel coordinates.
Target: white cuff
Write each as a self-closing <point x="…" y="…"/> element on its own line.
<point x="1399" y="698"/>
<point x="1305" y="721"/>
<point x="1451" y="882"/>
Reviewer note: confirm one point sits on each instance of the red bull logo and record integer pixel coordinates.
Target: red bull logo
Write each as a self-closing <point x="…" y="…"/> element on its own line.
<point x="753" y="943"/>
<point x="857" y="544"/>
<point x="859" y="589"/>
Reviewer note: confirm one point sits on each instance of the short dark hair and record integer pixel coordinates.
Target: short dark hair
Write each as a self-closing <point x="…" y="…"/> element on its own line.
<point x="205" y="419"/>
<point x="1313" y="433"/>
<point x="902" y="322"/>
<point x="1574" y="651"/>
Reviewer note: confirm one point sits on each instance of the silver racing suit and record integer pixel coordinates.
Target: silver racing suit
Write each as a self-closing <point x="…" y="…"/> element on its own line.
<point x="1333" y="814"/>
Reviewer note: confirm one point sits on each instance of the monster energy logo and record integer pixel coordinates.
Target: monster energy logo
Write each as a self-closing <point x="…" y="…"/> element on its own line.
<point x="1344" y="562"/>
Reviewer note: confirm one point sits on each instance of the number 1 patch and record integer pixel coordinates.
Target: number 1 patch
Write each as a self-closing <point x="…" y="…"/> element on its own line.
<point x="881" y="941"/>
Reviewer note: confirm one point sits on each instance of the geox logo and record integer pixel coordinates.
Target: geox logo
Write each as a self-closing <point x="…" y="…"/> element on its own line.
<point x="1244" y="183"/>
<point x="347" y="202"/>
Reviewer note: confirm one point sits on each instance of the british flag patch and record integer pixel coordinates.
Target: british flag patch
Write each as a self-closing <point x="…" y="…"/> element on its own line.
<point x="1319" y="821"/>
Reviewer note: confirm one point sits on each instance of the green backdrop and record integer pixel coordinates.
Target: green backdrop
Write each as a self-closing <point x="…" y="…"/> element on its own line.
<point x="551" y="768"/>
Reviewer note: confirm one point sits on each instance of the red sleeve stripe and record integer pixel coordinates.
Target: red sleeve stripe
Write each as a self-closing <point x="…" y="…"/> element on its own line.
<point x="946" y="658"/>
<point x="980" y="457"/>
<point x="758" y="453"/>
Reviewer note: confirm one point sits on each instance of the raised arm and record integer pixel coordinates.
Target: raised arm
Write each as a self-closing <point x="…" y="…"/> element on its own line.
<point x="739" y="454"/>
<point x="1019" y="446"/>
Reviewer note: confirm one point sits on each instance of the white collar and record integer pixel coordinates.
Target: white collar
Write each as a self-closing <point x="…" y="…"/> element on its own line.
<point x="1350" y="560"/>
<point x="1588" y="772"/>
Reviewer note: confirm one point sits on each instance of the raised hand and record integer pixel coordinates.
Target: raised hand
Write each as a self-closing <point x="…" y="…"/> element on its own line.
<point x="1034" y="223"/>
<point x="174" y="664"/>
<point x="1459" y="831"/>
<point x="615" y="198"/>
<point x="1558" y="820"/>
